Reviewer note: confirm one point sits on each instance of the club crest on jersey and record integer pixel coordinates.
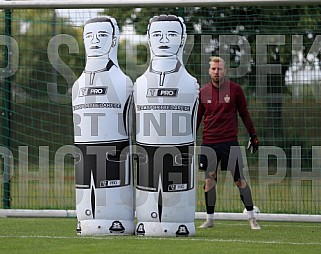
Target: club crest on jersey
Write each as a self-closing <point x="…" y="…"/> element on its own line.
<point x="227" y="98"/>
<point x="92" y="91"/>
<point x="159" y="92"/>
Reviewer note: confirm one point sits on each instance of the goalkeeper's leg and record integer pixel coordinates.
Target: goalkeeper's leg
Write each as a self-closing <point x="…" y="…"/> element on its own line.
<point x="246" y="197"/>
<point x="235" y="165"/>
<point x="210" y="201"/>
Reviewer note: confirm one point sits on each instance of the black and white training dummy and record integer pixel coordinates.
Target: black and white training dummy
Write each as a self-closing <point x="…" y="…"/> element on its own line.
<point x="101" y="103"/>
<point x="166" y="101"/>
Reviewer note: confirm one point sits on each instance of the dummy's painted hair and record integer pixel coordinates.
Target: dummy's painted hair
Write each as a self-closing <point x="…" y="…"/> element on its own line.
<point x="167" y="18"/>
<point x="112" y="21"/>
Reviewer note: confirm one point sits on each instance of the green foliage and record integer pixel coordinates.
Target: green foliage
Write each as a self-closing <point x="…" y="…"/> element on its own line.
<point x="33" y="30"/>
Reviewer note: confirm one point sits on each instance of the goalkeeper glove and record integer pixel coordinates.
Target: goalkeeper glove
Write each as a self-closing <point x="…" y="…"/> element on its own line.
<point x="202" y="162"/>
<point x="253" y="144"/>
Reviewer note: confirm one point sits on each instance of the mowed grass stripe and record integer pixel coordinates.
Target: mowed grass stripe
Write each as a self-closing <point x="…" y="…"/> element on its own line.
<point x="138" y="238"/>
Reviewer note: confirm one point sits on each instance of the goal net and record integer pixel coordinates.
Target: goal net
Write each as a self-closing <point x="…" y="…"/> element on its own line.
<point x="271" y="50"/>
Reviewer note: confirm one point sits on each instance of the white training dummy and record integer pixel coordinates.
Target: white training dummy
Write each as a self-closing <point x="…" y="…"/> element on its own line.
<point x="102" y="115"/>
<point x="166" y="101"/>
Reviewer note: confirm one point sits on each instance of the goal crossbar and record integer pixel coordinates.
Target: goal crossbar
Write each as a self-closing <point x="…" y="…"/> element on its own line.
<point x="74" y="4"/>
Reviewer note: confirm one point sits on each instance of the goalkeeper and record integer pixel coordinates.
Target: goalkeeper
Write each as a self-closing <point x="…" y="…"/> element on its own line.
<point x="221" y="101"/>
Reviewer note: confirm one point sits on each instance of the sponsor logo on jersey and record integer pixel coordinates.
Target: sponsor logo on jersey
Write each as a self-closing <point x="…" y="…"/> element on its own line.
<point x="82" y="186"/>
<point x="109" y="183"/>
<point x="93" y="91"/>
<point x="162" y="92"/>
<point x="163" y="107"/>
<point x="177" y="187"/>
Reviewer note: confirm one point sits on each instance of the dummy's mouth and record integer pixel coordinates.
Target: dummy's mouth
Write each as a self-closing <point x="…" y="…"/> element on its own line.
<point x="94" y="47"/>
<point x="163" y="47"/>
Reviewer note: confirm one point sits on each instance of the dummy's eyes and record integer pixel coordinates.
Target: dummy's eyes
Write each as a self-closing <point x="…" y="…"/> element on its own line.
<point x="89" y="35"/>
<point x="103" y="35"/>
<point x="157" y="34"/>
<point x="100" y="34"/>
<point x="172" y="34"/>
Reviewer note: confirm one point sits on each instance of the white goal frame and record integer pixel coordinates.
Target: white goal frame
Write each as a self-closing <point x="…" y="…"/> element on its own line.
<point x="198" y="215"/>
<point x="74" y="4"/>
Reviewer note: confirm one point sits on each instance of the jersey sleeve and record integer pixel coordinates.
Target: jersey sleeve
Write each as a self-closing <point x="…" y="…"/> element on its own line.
<point x="243" y="111"/>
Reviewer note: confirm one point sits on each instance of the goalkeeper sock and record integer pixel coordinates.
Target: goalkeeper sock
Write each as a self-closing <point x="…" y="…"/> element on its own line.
<point x="250" y="214"/>
<point x="246" y="197"/>
<point x="210" y="200"/>
<point x="210" y="216"/>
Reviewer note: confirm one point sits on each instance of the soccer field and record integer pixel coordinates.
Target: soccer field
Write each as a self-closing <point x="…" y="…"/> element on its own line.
<point x="58" y="235"/>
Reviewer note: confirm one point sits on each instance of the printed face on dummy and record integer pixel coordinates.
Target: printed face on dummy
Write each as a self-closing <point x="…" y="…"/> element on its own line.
<point x="98" y="39"/>
<point x="165" y="38"/>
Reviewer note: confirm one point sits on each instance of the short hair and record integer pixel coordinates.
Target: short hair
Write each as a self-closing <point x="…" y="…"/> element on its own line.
<point x="167" y="18"/>
<point x="216" y="59"/>
<point x="103" y="19"/>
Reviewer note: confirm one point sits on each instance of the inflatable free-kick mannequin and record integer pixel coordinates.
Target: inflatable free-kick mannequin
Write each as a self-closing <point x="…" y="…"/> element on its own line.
<point x="166" y="101"/>
<point x="102" y="115"/>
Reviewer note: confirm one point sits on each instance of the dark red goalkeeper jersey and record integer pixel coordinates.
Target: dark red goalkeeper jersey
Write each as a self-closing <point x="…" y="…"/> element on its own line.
<point x="219" y="108"/>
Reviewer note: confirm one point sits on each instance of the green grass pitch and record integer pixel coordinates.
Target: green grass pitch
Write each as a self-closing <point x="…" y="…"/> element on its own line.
<point x="58" y="235"/>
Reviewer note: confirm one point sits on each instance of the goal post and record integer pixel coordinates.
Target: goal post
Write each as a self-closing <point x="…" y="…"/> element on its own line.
<point x="272" y="48"/>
